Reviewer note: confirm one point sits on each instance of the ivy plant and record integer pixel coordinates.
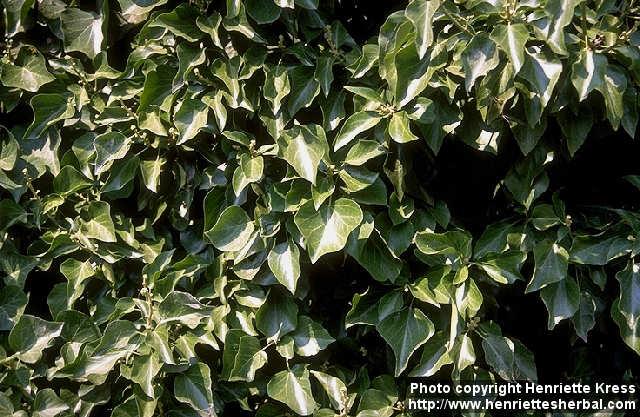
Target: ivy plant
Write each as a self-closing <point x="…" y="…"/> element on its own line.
<point x="182" y="182"/>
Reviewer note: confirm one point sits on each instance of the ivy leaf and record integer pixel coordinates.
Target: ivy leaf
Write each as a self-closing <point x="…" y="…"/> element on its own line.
<point x="335" y="389"/>
<point x="503" y="268"/>
<point x="82" y="31"/>
<point x="263" y="12"/>
<point x="542" y="70"/>
<point x="242" y="356"/>
<point x="122" y="173"/>
<point x="76" y="273"/>
<point x="304" y="89"/>
<point x="190" y="118"/>
<point x="15" y="13"/>
<point x="575" y="128"/>
<point x="326" y="230"/>
<point x="47" y="110"/>
<point x="144" y="370"/>
<point x="357" y="179"/>
<point x="399" y="129"/>
<point x="434" y="356"/>
<point x="562" y="299"/>
<point x="48" y="404"/>
<point x="31" y="335"/>
<point x="629" y="334"/>
<point x="100" y="225"/>
<point x="12" y="304"/>
<point x="492" y="240"/>
<point x="181" y="22"/>
<point x="454" y="245"/>
<point x="188" y="59"/>
<point x="277" y="317"/>
<point x="10" y="214"/>
<point x="628" y="302"/>
<point x="310" y="337"/>
<point x="284" y="262"/>
<point x="421" y="13"/>
<point x="613" y="89"/>
<point x="324" y="73"/>
<point x="308" y="4"/>
<point x="374" y="255"/>
<point x="367" y="93"/>
<point x="405" y="331"/>
<point x="109" y="147"/>
<point x="356" y="123"/>
<point x="592" y="250"/>
<point x="587" y="74"/>
<point x="293" y="388"/>
<point x="136" y="11"/>
<point x="285" y="3"/>
<point x="70" y="180"/>
<point x="119" y="339"/>
<point x="560" y="13"/>
<point x="303" y="147"/>
<point x="276" y="86"/>
<point x="551" y="263"/>
<point x="507" y="357"/>
<point x="9" y="149"/>
<point x="363" y="151"/>
<point x="512" y="39"/>
<point x="28" y="72"/>
<point x="150" y="171"/>
<point x="232" y="230"/>
<point x="478" y="58"/>
<point x="250" y="169"/>
<point x="364" y="310"/>
<point x="413" y="74"/>
<point x="184" y="308"/>
<point x="583" y="319"/>
<point x="193" y="387"/>
<point x="42" y="152"/>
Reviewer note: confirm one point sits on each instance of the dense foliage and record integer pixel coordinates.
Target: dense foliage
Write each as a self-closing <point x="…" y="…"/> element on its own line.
<point x="212" y="208"/>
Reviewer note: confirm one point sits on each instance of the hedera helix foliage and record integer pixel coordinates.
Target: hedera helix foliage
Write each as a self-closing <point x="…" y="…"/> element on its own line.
<point x="172" y="173"/>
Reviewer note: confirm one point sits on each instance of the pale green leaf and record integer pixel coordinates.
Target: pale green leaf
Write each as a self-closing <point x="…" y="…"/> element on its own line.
<point x="326" y="230"/>
<point x="293" y="388"/>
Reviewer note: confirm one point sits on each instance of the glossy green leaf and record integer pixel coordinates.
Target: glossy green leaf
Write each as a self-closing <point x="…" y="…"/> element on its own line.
<point x="587" y="74"/>
<point x="232" y="230"/>
<point x="479" y="57"/>
<point x="28" y="72"/>
<point x="303" y="147"/>
<point x="399" y="128"/>
<point x="507" y="357"/>
<point x="304" y="89"/>
<point x="277" y="317"/>
<point x="193" y="387"/>
<point x="326" y="230"/>
<point x="310" y="337"/>
<point x="242" y="356"/>
<point x="420" y="13"/>
<point x="293" y="388"/>
<point x="284" y="262"/>
<point x="31" y="335"/>
<point x="551" y="263"/>
<point x="562" y="300"/>
<point x="353" y="126"/>
<point x="12" y="304"/>
<point x="405" y="331"/>
<point x="512" y="39"/>
<point x="82" y="31"/>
